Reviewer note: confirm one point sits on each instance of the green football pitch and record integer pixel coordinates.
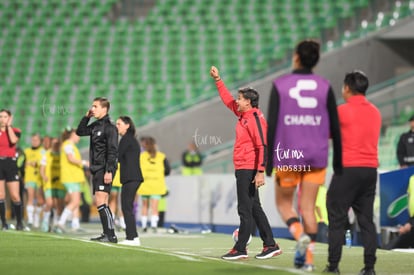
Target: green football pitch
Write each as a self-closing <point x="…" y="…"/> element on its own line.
<point x="165" y="253"/>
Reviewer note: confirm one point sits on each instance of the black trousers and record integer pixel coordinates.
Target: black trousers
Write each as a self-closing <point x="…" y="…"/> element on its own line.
<point x="355" y="188"/>
<point x="250" y="211"/>
<point x="128" y="192"/>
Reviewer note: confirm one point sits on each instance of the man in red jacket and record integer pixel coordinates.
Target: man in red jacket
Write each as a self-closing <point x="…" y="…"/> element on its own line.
<point x="355" y="185"/>
<point x="249" y="158"/>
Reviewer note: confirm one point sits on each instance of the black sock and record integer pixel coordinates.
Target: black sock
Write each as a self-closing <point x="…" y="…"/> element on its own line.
<point x="106" y="220"/>
<point x="18" y="212"/>
<point x="292" y="220"/>
<point x="2" y="212"/>
<point x="312" y="236"/>
<point x="111" y="224"/>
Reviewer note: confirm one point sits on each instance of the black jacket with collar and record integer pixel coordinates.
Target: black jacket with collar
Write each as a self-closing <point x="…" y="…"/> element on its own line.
<point x="103" y="150"/>
<point x="405" y="149"/>
<point x="128" y="157"/>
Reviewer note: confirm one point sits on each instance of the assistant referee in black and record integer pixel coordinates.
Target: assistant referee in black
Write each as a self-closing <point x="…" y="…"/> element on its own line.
<point x="103" y="158"/>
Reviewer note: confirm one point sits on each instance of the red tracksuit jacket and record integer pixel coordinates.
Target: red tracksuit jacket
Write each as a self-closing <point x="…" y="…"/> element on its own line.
<point x="249" y="150"/>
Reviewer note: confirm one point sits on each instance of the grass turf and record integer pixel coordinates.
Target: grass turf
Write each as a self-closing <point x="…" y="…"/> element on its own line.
<point x="164" y="253"/>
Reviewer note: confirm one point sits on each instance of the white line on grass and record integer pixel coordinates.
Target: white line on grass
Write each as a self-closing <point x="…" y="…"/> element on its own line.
<point x="182" y="255"/>
<point x="406" y="250"/>
<point x="142" y="248"/>
<point x="292" y="270"/>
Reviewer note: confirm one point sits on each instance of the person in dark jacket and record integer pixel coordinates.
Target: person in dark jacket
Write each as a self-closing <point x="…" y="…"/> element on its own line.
<point x="130" y="175"/>
<point x="249" y="158"/>
<point x="405" y="147"/>
<point x="103" y="155"/>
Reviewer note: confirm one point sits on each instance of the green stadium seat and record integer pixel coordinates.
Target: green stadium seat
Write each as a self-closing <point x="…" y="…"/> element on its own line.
<point x="172" y="47"/>
<point x="403" y="9"/>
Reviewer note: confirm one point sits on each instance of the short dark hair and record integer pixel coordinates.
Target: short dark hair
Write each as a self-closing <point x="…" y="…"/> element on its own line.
<point x="308" y="52"/>
<point x="104" y="102"/>
<point x="6" y="111"/>
<point x="357" y="82"/>
<point x="128" y="120"/>
<point x="252" y="94"/>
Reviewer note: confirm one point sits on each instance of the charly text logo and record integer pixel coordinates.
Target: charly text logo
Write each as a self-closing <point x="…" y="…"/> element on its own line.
<point x="200" y="139"/>
<point x="54" y="109"/>
<point x="289" y="154"/>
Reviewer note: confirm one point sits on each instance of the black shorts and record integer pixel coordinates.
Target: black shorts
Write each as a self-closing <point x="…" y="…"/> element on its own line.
<point x="98" y="182"/>
<point x="8" y="169"/>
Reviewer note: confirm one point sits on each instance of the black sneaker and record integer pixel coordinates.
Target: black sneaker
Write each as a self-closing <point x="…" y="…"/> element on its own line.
<point x="19" y="227"/>
<point x="367" y="271"/>
<point x="173" y="229"/>
<point x="332" y="270"/>
<point x="108" y="239"/>
<point x="99" y="238"/>
<point x="5" y="227"/>
<point x="269" y="252"/>
<point x="235" y="255"/>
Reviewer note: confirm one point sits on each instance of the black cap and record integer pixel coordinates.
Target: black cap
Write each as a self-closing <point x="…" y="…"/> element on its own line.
<point x="411" y="118"/>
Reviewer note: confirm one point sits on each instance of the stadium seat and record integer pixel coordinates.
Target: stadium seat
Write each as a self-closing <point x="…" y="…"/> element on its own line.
<point x="73" y="45"/>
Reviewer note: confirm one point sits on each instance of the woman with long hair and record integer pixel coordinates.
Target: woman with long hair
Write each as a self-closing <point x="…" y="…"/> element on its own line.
<point x="155" y="167"/>
<point x="53" y="189"/>
<point x="33" y="181"/>
<point x="72" y="177"/>
<point x="130" y="175"/>
<point x="9" y="136"/>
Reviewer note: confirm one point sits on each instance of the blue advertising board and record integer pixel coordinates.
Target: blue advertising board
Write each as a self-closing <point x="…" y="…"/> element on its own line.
<point x="393" y="196"/>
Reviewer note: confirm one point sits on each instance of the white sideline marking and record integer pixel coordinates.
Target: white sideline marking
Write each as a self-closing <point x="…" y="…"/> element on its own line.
<point x="182" y="255"/>
<point x="406" y="250"/>
<point x="142" y="248"/>
<point x="270" y="267"/>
